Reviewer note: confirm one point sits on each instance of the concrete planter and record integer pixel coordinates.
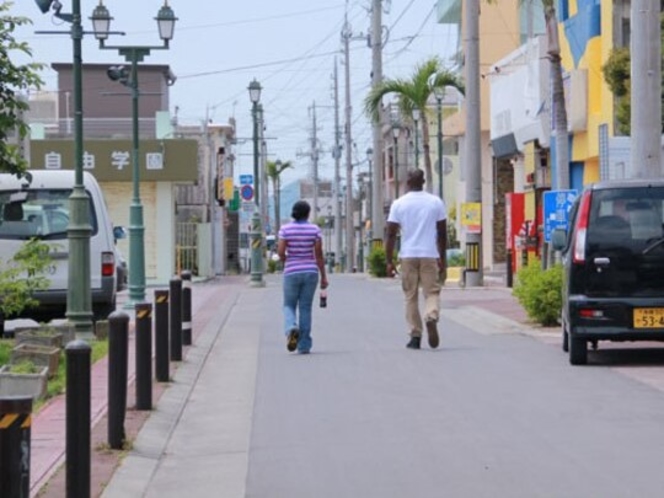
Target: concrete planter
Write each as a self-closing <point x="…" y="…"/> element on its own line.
<point x="43" y="356"/>
<point x="23" y="384"/>
<point x="43" y="335"/>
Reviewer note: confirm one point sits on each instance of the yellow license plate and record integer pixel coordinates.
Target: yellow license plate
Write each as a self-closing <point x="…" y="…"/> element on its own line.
<point x="648" y="318"/>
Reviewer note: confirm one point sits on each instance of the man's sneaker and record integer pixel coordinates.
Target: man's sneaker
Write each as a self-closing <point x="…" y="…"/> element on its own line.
<point x="293" y="336"/>
<point x="414" y="343"/>
<point x="432" y="331"/>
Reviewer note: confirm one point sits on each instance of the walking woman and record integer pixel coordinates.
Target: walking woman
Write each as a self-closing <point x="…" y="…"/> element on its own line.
<point x="301" y="249"/>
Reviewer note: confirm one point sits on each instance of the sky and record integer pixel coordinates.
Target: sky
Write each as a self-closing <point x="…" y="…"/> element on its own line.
<point x="290" y="47"/>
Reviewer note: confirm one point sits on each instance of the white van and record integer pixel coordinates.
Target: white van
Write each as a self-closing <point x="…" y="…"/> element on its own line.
<point x="37" y="205"/>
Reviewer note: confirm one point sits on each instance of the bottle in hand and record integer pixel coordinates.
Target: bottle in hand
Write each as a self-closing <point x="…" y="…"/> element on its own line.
<point x="323" y="299"/>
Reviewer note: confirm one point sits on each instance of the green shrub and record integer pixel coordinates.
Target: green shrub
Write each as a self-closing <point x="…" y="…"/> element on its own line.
<point x="456" y="260"/>
<point x="23" y="274"/>
<point x="376" y="262"/>
<point x="272" y="265"/>
<point x="540" y="292"/>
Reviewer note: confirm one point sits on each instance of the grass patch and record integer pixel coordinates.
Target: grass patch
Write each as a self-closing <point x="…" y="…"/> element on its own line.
<point x="57" y="384"/>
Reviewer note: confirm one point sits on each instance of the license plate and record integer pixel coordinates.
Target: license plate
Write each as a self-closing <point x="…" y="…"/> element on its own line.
<point x="648" y="318"/>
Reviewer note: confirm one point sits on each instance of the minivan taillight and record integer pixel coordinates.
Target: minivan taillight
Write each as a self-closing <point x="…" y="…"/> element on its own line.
<point x="107" y="264"/>
<point x="579" y="254"/>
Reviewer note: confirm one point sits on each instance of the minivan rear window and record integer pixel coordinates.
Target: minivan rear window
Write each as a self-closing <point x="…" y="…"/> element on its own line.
<point x="39" y="213"/>
<point x="631" y="217"/>
<point x="625" y="242"/>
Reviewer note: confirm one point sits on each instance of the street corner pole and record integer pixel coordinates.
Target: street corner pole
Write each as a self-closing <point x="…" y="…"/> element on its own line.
<point x="473" y="150"/>
<point x="256" y="279"/>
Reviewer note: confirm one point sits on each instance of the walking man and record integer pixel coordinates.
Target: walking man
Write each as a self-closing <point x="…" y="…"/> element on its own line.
<point x="422" y="219"/>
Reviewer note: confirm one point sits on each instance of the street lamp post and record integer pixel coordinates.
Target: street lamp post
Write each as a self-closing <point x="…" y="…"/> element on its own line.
<point x="395" y="135"/>
<point x="101" y="20"/>
<point x="79" y="296"/>
<point x="439" y="92"/>
<point x="370" y="209"/>
<point x="256" y="279"/>
<point x="416" y="119"/>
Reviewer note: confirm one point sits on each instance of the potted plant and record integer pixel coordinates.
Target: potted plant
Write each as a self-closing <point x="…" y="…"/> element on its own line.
<point x="23" y="379"/>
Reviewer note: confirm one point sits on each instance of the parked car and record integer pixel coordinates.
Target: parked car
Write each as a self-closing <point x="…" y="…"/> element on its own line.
<point x="37" y="206"/>
<point x="613" y="259"/>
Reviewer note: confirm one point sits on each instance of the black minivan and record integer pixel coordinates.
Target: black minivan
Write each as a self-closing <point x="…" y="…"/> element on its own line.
<point x="613" y="259"/>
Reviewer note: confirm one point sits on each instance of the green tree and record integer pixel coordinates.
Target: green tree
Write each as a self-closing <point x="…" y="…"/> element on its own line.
<point x="23" y="274"/>
<point x="14" y="78"/>
<point x="414" y="93"/>
<point x="617" y="72"/>
<point x="273" y="170"/>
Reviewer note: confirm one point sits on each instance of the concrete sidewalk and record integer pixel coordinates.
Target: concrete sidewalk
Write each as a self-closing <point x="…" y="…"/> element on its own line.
<point x="231" y="339"/>
<point x="48" y="426"/>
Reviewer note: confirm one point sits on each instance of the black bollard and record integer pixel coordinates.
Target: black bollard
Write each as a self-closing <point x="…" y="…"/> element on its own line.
<point x="15" y="418"/>
<point x="143" y="356"/>
<point x="186" y="307"/>
<point x="161" y="335"/>
<point x="78" y="354"/>
<point x="118" y="352"/>
<point x="510" y="276"/>
<point x="176" y="318"/>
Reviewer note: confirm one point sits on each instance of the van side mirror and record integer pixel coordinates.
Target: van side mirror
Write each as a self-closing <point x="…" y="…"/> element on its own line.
<point x="119" y="233"/>
<point x="559" y="239"/>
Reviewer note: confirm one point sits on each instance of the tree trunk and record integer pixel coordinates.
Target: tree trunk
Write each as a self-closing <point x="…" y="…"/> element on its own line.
<point x="427" y="156"/>
<point x="558" y="99"/>
<point x="277" y="205"/>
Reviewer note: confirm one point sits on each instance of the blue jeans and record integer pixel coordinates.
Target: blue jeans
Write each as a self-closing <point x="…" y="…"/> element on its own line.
<point x="299" y="290"/>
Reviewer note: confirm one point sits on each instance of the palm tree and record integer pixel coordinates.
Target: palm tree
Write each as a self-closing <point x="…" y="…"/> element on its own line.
<point x="414" y="93"/>
<point x="273" y="170"/>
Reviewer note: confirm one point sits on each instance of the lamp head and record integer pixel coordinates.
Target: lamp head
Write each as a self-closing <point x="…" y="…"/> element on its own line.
<point x="416" y="113"/>
<point x="254" y="91"/>
<point x="101" y="21"/>
<point x="44" y="5"/>
<point x="118" y="73"/>
<point x="166" y="22"/>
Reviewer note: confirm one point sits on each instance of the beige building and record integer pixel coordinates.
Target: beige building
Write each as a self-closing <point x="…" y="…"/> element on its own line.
<point x="503" y="27"/>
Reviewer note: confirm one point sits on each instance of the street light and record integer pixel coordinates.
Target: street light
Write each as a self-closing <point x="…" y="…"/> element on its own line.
<point x="79" y="296"/>
<point x="416" y="118"/>
<point x="256" y="279"/>
<point x="396" y="130"/>
<point x="439" y="92"/>
<point x="101" y="21"/>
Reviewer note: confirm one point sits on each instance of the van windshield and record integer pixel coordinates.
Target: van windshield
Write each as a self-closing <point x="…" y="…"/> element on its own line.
<point x="626" y="226"/>
<point x="39" y="213"/>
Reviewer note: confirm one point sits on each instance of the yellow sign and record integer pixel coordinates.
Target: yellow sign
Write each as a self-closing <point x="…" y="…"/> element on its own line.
<point x="228" y="188"/>
<point x="471" y="217"/>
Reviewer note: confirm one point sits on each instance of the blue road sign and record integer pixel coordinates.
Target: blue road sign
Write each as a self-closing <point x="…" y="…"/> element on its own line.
<point x="247" y="192"/>
<point x="246" y="179"/>
<point x="557" y="204"/>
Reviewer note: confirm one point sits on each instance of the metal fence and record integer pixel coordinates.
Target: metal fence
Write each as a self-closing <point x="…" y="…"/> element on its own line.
<point x="186" y="247"/>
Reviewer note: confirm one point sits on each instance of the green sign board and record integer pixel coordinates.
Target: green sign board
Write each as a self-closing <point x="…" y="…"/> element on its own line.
<point x="172" y="160"/>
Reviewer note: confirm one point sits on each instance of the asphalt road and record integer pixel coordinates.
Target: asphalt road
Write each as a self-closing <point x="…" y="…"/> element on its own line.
<point x="491" y="413"/>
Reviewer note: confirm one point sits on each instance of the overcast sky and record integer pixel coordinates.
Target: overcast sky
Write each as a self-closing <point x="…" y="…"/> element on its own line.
<point x="288" y="46"/>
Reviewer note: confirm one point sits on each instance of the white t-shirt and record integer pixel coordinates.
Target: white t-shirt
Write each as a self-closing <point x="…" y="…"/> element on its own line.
<point x="418" y="213"/>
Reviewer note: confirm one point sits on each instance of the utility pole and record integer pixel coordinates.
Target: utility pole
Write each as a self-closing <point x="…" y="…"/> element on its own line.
<point x="473" y="151"/>
<point x="314" y="161"/>
<point x="313" y="155"/>
<point x="262" y="185"/>
<point x="646" y="71"/>
<point x="337" y="164"/>
<point x="376" y="44"/>
<point x="350" y="229"/>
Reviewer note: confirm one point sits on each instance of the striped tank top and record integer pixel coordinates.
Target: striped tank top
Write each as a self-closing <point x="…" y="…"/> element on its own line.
<point x="300" y="237"/>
